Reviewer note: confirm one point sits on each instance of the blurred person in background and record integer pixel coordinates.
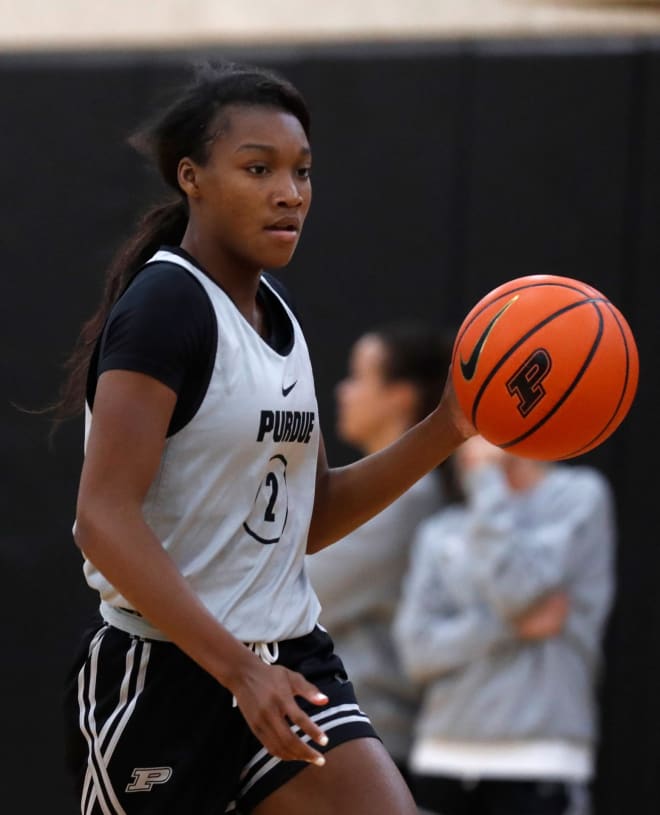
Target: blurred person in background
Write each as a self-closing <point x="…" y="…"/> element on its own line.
<point x="396" y="374"/>
<point x="501" y="624"/>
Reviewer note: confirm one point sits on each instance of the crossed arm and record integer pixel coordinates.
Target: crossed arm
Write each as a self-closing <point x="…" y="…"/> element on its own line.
<point x="439" y="630"/>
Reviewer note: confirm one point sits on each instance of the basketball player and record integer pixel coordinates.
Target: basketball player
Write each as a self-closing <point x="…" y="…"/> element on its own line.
<point x="395" y="376"/>
<point x="208" y="686"/>
<point x="501" y="623"/>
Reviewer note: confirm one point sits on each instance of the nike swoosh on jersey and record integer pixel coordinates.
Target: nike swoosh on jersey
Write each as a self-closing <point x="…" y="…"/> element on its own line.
<point x="287" y="391"/>
<point x="469" y="368"/>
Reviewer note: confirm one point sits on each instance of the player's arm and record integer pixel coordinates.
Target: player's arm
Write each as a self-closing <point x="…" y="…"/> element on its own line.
<point x="131" y="416"/>
<point x="347" y="497"/>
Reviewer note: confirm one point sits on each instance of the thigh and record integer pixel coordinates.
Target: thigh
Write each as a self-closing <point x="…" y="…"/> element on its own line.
<point x="442" y="795"/>
<point x="525" y="797"/>
<point x="359" y="778"/>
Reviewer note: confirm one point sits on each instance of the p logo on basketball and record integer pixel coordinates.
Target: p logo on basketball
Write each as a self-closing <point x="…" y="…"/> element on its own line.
<point x="526" y="382"/>
<point x="545" y="367"/>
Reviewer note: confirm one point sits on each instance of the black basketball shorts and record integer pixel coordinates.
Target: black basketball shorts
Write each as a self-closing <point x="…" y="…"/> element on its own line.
<point x="149" y="731"/>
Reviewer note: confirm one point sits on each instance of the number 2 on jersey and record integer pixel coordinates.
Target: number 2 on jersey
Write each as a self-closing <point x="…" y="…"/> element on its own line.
<point x="271" y="504"/>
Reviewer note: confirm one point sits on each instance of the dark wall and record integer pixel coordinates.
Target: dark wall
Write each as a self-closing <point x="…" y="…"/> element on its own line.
<point x="440" y="171"/>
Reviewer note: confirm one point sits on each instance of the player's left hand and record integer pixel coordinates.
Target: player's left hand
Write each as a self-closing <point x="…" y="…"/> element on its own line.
<point x="266" y="696"/>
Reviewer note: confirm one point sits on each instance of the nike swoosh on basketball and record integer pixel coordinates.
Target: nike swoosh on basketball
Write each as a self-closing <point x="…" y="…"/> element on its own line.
<point x="469" y="368"/>
<point x="287" y="391"/>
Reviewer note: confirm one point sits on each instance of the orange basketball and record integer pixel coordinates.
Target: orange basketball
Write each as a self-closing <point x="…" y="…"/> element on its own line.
<point x="545" y="367"/>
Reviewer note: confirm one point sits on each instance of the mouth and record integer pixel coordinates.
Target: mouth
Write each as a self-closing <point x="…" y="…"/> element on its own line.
<point x="288" y="223"/>
<point x="285" y="229"/>
<point x="293" y="229"/>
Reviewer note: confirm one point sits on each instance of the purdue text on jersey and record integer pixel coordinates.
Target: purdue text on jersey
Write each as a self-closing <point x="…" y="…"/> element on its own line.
<point x="286" y="425"/>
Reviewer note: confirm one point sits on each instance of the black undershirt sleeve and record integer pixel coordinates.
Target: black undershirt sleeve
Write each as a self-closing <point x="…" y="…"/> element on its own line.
<point x="164" y="326"/>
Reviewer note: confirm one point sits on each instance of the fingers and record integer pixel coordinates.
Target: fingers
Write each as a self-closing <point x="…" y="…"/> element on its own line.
<point x="461" y="422"/>
<point x="281" y="725"/>
<point x="301" y="687"/>
<point x="546" y="618"/>
<point x="281" y="739"/>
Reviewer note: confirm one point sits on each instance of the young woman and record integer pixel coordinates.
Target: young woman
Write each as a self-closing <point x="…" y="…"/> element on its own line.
<point x="209" y="686"/>
<point x="395" y="377"/>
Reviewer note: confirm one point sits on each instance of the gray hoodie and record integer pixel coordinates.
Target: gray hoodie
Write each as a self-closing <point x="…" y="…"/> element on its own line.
<point x="476" y="566"/>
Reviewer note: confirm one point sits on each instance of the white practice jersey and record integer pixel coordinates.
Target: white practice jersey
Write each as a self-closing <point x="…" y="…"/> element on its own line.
<point x="232" y="499"/>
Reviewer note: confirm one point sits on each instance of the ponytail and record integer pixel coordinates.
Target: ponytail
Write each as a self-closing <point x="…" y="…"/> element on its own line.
<point x="162" y="224"/>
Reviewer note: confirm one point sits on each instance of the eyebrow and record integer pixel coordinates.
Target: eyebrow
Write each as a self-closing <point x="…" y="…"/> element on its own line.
<point x="268" y="148"/>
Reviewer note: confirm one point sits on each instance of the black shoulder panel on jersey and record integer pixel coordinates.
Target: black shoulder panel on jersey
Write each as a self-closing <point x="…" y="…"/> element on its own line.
<point x="164" y="326"/>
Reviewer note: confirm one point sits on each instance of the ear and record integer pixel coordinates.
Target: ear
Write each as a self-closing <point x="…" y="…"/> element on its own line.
<point x="187" y="177"/>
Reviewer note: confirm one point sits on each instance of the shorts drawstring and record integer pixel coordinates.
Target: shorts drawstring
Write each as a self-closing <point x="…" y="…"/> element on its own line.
<point x="263" y="651"/>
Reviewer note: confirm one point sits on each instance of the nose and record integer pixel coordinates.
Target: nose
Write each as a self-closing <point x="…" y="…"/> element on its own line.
<point x="288" y="194"/>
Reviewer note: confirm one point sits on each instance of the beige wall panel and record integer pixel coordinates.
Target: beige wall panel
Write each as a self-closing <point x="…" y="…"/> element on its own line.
<point x="28" y="24"/>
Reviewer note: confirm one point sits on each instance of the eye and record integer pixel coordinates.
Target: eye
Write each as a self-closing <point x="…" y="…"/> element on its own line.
<point x="304" y="172"/>
<point x="257" y="169"/>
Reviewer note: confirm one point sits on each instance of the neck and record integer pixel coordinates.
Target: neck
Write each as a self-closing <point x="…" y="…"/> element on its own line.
<point x="523" y="474"/>
<point x="238" y="281"/>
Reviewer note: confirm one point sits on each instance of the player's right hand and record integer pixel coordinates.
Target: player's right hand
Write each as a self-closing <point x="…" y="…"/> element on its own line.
<point x="266" y="695"/>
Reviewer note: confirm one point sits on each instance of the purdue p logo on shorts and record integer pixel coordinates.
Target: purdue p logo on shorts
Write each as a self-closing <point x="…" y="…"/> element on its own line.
<point x="144" y="778"/>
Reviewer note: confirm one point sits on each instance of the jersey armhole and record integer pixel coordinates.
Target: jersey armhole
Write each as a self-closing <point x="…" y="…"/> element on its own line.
<point x="186" y="408"/>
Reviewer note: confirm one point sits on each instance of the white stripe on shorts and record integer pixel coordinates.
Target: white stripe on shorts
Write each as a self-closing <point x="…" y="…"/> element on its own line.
<point x="356" y="715"/>
<point x="97" y="785"/>
<point x="317" y="717"/>
<point x="123" y="694"/>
